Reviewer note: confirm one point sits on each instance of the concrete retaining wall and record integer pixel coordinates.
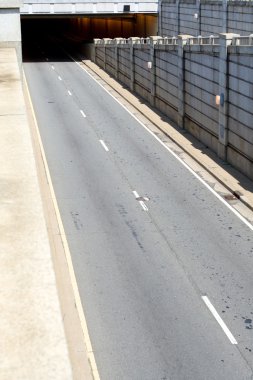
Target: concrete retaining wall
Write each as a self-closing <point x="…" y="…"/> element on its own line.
<point x="211" y="20"/>
<point x="141" y="72"/>
<point x="201" y="82"/>
<point x="124" y="66"/>
<point x="240" y="17"/>
<point x="205" y="17"/>
<point x="240" y="110"/>
<point x="166" y="78"/>
<point x="183" y="76"/>
<point x="187" y="22"/>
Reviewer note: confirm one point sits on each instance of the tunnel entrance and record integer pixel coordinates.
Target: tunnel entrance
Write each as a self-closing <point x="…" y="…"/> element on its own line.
<point x="77" y="32"/>
<point x="86" y="28"/>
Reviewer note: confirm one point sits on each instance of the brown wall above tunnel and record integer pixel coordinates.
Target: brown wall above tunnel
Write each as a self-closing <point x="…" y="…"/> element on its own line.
<point x="87" y="28"/>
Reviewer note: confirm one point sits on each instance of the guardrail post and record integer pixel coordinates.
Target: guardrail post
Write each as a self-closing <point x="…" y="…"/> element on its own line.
<point x="225" y="41"/>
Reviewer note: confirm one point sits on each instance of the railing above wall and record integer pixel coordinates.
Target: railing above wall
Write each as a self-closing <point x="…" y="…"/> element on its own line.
<point x="78" y="7"/>
<point x="243" y="40"/>
<point x="211" y="40"/>
<point x="153" y="40"/>
<point x="157" y="40"/>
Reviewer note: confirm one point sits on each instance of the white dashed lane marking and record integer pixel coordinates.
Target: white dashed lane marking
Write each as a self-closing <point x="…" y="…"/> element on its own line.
<point x="141" y="200"/>
<point x="219" y="320"/>
<point x="104" y="145"/>
<point x="82" y="113"/>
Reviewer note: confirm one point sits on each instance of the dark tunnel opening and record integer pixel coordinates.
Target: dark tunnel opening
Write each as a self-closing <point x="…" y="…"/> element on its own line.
<point x="86" y="28"/>
<point x="78" y="32"/>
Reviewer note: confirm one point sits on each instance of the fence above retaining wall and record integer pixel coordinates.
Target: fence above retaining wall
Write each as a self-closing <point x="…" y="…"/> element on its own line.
<point x="204" y="84"/>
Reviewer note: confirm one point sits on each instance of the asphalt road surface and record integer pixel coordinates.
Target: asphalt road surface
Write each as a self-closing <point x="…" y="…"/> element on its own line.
<point x="150" y="244"/>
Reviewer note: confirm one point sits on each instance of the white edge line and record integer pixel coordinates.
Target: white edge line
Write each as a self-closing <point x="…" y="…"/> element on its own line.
<point x="104" y="145"/>
<point x="70" y="93"/>
<point x="59" y="77"/>
<point x="219" y="320"/>
<point x="82" y="113"/>
<point x="78" y="302"/>
<point x="52" y="67"/>
<point x="244" y="220"/>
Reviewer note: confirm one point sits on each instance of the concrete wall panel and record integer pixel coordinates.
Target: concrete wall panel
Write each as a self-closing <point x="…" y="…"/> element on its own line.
<point x="241" y="130"/>
<point x="201" y="134"/>
<point x="166" y="97"/>
<point x="241" y="145"/>
<point x="240" y="162"/>
<point x="164" y="107"/>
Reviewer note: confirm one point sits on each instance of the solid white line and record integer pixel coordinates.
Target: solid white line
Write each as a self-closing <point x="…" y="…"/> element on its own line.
<point x="52" y="67"/>
<point x="73" y="280"/>
<point x="244" y="220"/>
<point x="104" y="145"/>
<point x="59" y="77"/>
<point x="82" y="113"/>
<point x="69" y="92"/>
<point x="219" y="320"/>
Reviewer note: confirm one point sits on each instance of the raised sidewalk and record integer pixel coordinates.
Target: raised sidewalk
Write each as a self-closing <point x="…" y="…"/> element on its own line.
<point x="33" y="344"/>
